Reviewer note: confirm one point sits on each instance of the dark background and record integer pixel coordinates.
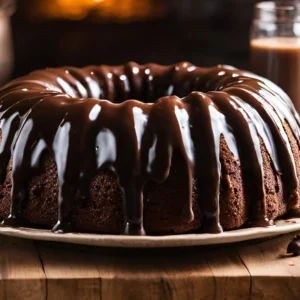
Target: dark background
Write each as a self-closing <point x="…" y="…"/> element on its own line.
<point x="204" y="32"/>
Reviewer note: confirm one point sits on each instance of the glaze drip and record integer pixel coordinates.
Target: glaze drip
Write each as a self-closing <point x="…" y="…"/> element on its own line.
<point x="63" y="111"/>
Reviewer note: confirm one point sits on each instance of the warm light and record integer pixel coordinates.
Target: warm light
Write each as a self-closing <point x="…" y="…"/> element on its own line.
<point x="120" y="10"/>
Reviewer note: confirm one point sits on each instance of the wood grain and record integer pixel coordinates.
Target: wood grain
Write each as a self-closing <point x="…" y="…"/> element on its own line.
<point x="47" y="270"/>
<point x="154" y="274"/>
<point x="232" y="279"/>
<point x="21" y="270"/>
<point x="272" y="273"/>
<point x="70" y="272"/>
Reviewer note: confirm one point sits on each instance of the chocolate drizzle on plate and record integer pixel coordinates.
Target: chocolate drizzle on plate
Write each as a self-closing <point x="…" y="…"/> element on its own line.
<point x="131" y="119"/>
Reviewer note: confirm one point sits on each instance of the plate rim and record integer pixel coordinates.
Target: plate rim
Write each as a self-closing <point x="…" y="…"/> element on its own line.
<point x="165" y="241"/>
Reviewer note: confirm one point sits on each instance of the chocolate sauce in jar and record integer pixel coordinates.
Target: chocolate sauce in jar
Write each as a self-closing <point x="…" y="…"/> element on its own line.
<point x="275" y="45"/>
<point x="278" y="59"/>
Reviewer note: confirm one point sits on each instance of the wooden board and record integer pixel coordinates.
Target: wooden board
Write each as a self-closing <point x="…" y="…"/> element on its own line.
<point x="48" y="270"/>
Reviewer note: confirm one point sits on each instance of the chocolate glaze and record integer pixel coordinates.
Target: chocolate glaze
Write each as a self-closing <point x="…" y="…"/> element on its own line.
<point x="61" y="111"/>
<point x="294" y="246"/>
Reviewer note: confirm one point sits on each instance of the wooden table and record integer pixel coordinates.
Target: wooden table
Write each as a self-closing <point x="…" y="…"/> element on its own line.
<point x="47" y="270"/>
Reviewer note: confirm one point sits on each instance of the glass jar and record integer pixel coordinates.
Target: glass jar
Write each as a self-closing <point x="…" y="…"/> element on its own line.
<point x="7" y="8"/>
<point x="275" y="45"/>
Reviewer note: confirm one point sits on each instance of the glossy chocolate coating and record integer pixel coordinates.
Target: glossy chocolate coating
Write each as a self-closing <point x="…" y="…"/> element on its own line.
<point x="62" y="111"/>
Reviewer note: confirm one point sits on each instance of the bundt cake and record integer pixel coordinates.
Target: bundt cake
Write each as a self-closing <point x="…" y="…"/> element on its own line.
<point x="201" y="150"/>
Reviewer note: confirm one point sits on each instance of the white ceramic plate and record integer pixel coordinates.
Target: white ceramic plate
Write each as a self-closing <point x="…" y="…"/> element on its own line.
<point x="182" y="240"/>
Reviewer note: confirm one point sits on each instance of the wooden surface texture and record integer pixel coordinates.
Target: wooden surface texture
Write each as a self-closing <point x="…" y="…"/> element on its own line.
<point x="47" y="270"/>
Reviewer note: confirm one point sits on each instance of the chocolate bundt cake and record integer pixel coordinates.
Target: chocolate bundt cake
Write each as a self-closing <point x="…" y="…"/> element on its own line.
<point x="202" y="149"/>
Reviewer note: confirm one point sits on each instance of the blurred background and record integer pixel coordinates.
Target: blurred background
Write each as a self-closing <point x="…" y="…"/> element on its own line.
<point x="40" y="33"/>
